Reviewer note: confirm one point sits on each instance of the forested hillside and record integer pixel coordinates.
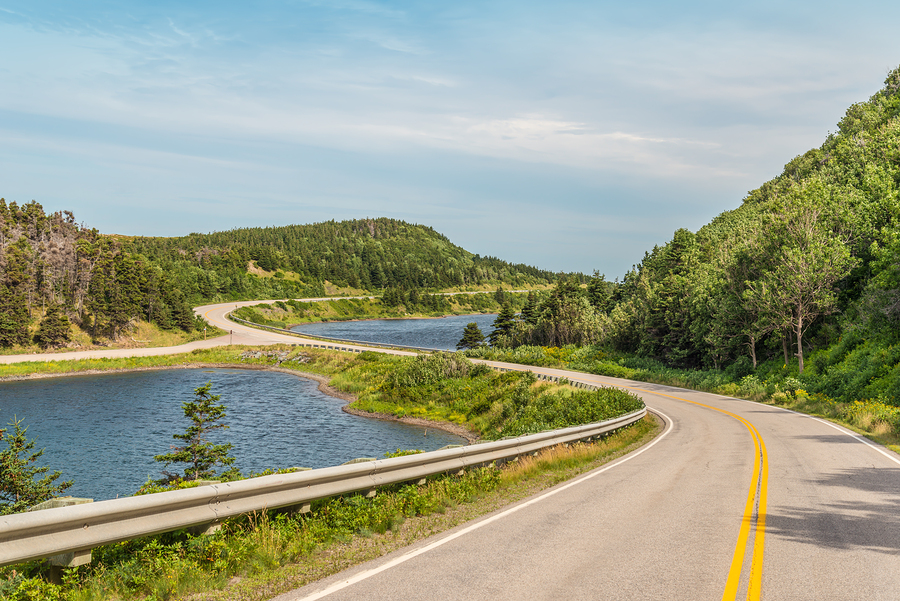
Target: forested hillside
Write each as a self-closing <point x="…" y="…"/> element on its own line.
<point x="55" y="273"/>
<point x="366" y="254"/>
<point x="805" y="273"/>
<point x="809" y="260"/>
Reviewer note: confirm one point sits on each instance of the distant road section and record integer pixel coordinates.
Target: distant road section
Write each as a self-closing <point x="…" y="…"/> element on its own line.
<point x="735" y="500"/>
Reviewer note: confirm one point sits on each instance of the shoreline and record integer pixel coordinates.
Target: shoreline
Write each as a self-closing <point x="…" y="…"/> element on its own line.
<point x="323" y="387"/>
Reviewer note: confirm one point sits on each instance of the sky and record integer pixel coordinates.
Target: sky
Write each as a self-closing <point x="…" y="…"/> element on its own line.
<point x="573" y="136"/>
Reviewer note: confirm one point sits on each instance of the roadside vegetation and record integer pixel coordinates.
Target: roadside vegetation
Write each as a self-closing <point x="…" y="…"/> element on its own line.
<point x="259" y="555"/>
<point x="771" y="383"/>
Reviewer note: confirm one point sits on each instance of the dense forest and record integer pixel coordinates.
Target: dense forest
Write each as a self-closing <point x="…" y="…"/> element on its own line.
<point x="364" y="254"/>
<point x="805" y="273"/>
<point x="55" y="273"/>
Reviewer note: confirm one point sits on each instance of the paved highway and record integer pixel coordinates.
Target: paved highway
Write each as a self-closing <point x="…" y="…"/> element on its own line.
<point x="734" y="500"/>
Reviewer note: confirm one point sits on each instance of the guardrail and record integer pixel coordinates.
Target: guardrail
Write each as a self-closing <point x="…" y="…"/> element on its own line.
<point x="39" y="534"/>
<point x="378" y="345"/>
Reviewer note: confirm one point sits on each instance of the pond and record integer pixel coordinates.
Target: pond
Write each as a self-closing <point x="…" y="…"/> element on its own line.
<point x="441" y="333"/>
<point x="102" y="431"/>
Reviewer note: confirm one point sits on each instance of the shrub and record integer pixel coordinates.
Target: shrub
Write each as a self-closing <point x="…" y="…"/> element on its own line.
<point x="779" y="398"/>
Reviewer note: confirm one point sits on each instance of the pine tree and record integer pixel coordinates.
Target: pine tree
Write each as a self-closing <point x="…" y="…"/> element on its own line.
<point x="531" y="311"/>
<point x="54" y="329"/>
<point x="503" y="325"/>
<point x="472" y="337"/>
<point x="18" y="488"/>
<point x="198" y="452"/>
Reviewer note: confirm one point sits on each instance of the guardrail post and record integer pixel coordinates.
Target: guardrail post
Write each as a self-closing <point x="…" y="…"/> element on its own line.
<point x="295" y="509"/>
<point x="206" y="529"/>
<point x="73" y="559"/>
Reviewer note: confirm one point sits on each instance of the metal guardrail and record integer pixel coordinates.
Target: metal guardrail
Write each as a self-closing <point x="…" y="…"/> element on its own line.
<point x="39" y="534"/>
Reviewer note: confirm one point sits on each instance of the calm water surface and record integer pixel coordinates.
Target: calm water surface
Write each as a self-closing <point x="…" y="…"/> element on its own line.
<point x="103" y="431"/>
<point x="442" y="333"/>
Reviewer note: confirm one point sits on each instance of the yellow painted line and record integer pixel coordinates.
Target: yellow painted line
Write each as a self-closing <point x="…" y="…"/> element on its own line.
<point x="758" y="490"/>
<point x="737" y="561"/>
<point x="755" y="589"/>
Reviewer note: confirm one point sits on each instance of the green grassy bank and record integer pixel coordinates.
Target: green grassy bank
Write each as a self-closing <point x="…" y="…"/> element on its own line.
<point x="772" y="383"/>
<point x="258" y="556"/>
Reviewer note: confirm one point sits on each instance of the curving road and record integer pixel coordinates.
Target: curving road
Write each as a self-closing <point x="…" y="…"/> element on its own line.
<point x="734" y="500"/>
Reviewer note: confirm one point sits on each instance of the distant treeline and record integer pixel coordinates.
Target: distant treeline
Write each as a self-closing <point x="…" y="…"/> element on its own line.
<point x="54" y="272"/>
<point x="365" y="254"/>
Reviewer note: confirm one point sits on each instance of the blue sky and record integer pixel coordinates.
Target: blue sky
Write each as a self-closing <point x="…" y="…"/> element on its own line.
<point x="571" y="136"/>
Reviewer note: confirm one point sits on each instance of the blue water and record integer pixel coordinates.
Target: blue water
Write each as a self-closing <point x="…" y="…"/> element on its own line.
<point x="103" y="431"/>
<point x="442" y="333"/>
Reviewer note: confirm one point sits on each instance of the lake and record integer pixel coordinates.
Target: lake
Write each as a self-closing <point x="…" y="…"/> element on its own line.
<point x="440" y="333"/>
<point x="102" y="431"/>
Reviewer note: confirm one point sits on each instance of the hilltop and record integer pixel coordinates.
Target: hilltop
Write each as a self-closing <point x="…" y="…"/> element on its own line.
<point x="62" y="281"/>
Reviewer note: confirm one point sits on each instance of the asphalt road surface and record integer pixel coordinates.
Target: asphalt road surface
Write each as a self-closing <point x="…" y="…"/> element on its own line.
<point x="734" y="500"/>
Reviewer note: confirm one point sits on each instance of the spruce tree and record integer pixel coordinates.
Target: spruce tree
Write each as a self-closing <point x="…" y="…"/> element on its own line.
<point x="200" y="455"/>
<point x="54" y="329"/>
<point x="505" y="322"/>
<point x="472" y="337"/>
<point x="19" y="489"/>
<point x="531" y="311"/>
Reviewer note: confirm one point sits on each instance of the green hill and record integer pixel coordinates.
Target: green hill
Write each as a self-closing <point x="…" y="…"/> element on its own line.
<point x="364" y="254"/>
<point x="56" y="272"/>
<point x="806" y="272"/>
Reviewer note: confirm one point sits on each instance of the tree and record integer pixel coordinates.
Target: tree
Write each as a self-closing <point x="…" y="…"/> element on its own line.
<point x="808" y="259"/>
<point x="201" y="455"/>
<point x="472" y="337"/>
<point x="600" y="292"/>
<point x="18" y="488"/>
<point x="54" y="328"/>
<point x="503" y="325"/>
<point x="531" y="311"/>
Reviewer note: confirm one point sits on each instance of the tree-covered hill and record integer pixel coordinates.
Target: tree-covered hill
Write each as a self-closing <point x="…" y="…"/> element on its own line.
<point x="55" y="273"/>
<point x="806" y="271"/>
<point x="365" y="254"/>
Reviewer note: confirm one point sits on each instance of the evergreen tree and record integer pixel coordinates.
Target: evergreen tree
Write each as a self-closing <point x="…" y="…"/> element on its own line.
<point x="531" y="311"/>
<point x="472" y="337"/>
<point x="201" y="455"/>
<point x="503" y="325"/>
<point x="19" y="489"/>
<point x="54" y="328"/>
<point x="13" y="318"/>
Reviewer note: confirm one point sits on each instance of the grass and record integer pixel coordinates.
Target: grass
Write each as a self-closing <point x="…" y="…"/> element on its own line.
<point x="142" y="335"/>
<point x="265" y="554"/>
<point x="770" y="384"/>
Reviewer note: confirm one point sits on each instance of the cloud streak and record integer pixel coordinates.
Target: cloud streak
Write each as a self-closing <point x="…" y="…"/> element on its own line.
<point x="390" y="109"/>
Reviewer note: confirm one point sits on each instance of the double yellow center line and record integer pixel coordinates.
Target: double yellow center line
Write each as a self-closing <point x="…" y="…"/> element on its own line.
<point x="756" y="503"/>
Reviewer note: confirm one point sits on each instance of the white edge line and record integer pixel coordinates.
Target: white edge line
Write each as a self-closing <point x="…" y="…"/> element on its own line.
<point x="876" y="447"/>
<point x="404" y="558"/>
